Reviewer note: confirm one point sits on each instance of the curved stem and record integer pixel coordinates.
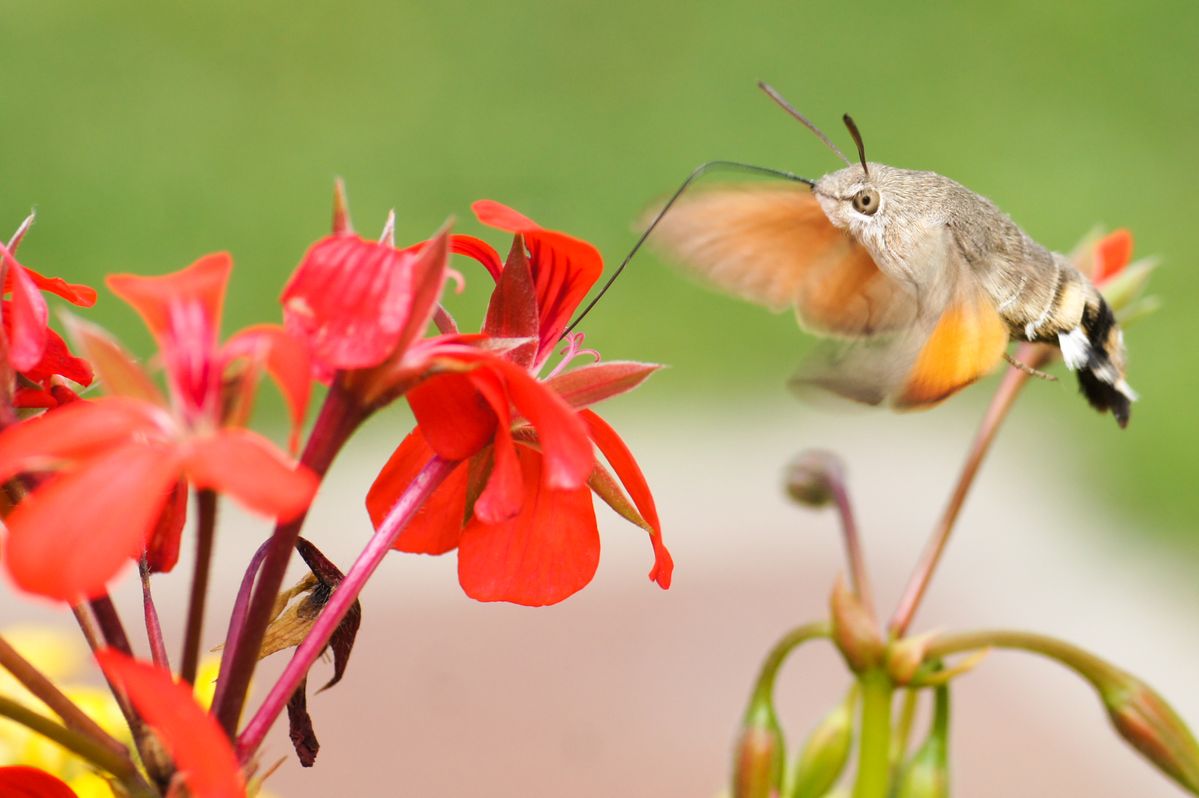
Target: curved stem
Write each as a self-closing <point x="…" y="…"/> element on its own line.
<point x="343" y="597"/>
<point x="79" y="744"/>
<point x="1083" y="662"/>
<point x="1033" y="354"/>
<point x="874" y="752"/>
<point x="764" y="687"/>
<point x="205" y="532"/>
<point x="340" y="415"/>
<point x="858" y="574"/>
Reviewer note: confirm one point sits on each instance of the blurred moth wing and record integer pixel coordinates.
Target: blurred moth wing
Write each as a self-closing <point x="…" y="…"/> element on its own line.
<point x="908" y="339"/>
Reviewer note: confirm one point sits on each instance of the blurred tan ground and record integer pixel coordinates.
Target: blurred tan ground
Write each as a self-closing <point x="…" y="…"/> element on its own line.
<point x="626" y="690"/>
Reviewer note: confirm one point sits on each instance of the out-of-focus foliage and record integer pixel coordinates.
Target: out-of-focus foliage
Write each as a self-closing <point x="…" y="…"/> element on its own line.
<point x="147" y="134"/>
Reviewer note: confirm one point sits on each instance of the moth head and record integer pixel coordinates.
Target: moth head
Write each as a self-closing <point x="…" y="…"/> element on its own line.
<point x="856" y="198"/>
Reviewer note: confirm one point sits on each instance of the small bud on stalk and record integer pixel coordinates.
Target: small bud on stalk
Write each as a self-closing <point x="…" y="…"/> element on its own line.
<point x="825" y="753"/>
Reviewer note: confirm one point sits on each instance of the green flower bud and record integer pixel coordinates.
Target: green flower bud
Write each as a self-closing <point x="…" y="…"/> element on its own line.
<point x="926" y="774"/>
<point x="854" y="629"/>
<point x="758" y="760"/>
<point x="825" y="753"/>
<point x="1144" y="719"/>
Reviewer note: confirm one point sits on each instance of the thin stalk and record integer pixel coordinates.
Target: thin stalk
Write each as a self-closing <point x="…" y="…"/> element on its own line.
<point x="158" y="649"/>
<point x="205" y="532"/>
<point x="49" y="694"/>
<point x="858" y="574"/>
<point x="237" y="617"/>
<point x="874" y="752"/>
<point x="1032" y="354"/>
<point x="343" y="597"/>
<point x="340" y="415"/>
<point x="903" y="729"/>
<point x="764" y="687"/>
<point x="81" y="745"/>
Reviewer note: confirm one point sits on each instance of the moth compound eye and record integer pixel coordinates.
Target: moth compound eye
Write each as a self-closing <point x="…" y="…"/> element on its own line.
<point x="866" y="201"/>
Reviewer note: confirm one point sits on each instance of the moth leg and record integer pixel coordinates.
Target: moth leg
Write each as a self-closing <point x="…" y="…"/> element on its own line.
<point x="1029" y="370"/>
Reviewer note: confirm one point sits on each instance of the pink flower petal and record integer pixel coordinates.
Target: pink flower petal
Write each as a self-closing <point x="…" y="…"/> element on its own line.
<point x="248" y="467"/>
<point x="547" y="552"/>
<point x="71" y="536"/>
<point x="191" y="735"/>
<point x="626" y="468"/>
<point x="75" y="431"/>
<point x="437" y="525"/>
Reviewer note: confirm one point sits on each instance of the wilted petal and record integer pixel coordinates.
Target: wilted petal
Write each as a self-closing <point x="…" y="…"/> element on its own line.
<point x="594" y="383"/>
<point x="286" y="359"/>
<point x="191" y="735"/>
<point x="549" y="551"/>
<point x="248" y="467"/>
<point x="20" y="781"/>
<point x="77" y="430"/>
<point x="71" y="536"/>
<point x="437" y="525"/>
<point x="621" y="459"/>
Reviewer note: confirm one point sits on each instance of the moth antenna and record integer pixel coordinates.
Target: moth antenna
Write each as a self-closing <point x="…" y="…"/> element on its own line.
<point x="700" y="170"/>
<point x="857" y="139"/>
<point x="786" y="106"/>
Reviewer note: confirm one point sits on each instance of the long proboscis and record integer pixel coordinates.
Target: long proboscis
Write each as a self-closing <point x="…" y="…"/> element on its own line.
<point x="700" y="170"/>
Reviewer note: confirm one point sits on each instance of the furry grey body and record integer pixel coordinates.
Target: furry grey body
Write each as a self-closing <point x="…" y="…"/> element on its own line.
<point x="930" y="233"/>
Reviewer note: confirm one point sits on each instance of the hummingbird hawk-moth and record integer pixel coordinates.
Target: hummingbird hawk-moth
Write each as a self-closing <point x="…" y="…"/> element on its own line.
<point x="921" y="281"/>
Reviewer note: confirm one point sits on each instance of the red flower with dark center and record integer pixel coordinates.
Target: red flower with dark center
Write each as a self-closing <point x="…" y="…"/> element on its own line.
<point x="518" y="507"/>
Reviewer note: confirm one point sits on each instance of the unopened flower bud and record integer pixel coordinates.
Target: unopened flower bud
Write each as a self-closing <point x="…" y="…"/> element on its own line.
<point x="905" y="656"/>
<point x="854" y="630"/>
<point x="1149" y="724"/>
<point x="825" y="753"/>
<point x="758" y="760"/>
<point x="812" y="475"/>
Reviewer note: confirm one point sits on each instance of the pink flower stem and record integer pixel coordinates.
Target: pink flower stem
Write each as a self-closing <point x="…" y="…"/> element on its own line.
<point x="340" y="415"/>
<point x="158" y="649"/>
<point x="858" y="573"/>
<point x="1035" y="356"/>
<point x="237" y="617"/>
<point x="205" y="532"/>
<point x="343" y="597"/>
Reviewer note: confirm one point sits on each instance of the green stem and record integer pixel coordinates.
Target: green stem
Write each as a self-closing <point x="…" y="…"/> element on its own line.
<point x="874" y="753"/>
<point x="763" y="694"/>
<point x="81" y="745"/>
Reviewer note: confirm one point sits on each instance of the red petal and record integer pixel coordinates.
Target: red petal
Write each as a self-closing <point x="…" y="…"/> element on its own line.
<point x="71" y="536"/>
<point x="75" y="431"/>
<point x="546" y="553"/>
<point x="1112" y="254"/>
<point x="512" y="311"/>
<point x="25" y="782"/>
<point x="27" y="327"/>
<point x="452" y="416"/>
<point x="480" y="250"/>
<point x="201" y="283"/>
<point x="495" y="214"/>
<point x="593" y="383"/>
<point x="81" y="295"/>
<point x="191" y="735"/>
<point x="563" y="436"/>
<point x="438" y="523"/>
<point x="503" y="495"/>
<point x="162" y="547"/>
<point x="350" y="299"/>
<point x="626" y="468"/>
<point x="428" y="273"/>
<point x="564" y="269"/>
<point x="248" y="467"/>
<point x="287" y="361"/>
<point x="57" y="360"/>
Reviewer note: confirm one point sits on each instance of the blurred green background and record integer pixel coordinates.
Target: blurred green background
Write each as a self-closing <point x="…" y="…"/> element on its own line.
<point x="146" y="134"/>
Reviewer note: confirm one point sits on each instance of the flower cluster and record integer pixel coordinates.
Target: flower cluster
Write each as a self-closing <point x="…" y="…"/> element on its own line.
<point x="502" y="465"/>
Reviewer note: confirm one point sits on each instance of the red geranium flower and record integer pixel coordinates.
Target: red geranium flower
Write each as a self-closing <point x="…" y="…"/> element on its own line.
<point x="35" y="352"/>
<point x="121" y="458"/>
<point x="518" y="507"/>
<point x="20" y="781"/>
